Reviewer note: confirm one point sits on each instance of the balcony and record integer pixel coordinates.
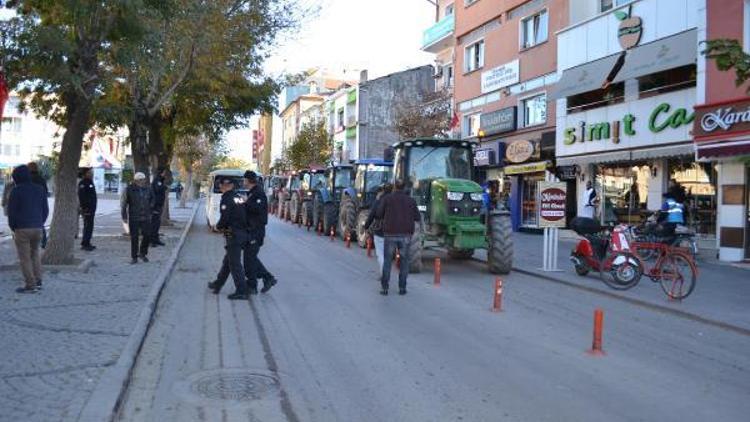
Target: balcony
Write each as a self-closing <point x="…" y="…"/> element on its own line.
<point x="439" y="36"/>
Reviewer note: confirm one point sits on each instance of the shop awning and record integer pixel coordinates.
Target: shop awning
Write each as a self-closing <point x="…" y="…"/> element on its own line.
<point x="584" y="78"/>
<point x="666" y="53"/>
<point x="664" y="152"/>
<point x="582" y="160"/>
<point x="723" y="149"/>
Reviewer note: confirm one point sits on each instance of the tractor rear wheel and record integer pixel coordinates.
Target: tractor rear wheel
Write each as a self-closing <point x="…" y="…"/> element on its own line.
<point x="460" y="253"/>
<point x="330" y="215"/>
<point x="361" y="232"/>
<point x="500" y="251"/>
<point x="348" y="219"/>
<point x="294" y="209"/>
<point x="415" y="252"/>
<point x="306" y="214"/>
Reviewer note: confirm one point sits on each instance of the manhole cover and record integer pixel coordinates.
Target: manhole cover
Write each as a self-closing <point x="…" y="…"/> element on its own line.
<point x="228" y="386"/>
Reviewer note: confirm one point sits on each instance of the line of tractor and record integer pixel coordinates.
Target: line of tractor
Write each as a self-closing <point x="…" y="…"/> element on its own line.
<point x="337" y="199"/>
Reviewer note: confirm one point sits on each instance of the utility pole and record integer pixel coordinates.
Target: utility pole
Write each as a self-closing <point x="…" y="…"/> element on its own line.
<point x="437" y="9"/>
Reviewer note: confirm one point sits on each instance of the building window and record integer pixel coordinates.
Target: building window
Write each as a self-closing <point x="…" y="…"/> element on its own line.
<point x="17" y="150"/>
<point x="340" y="119"/>
<point x="474" y="56"/>
<point x="667" y="81"/>
<point x="605" y="5"/>
<point x="448" y="10"/>
<point x="534" y="110"/>
<point x="534" y="29"/>
<point x="614" y="94"/>
<point x="471" y="125"/>
<point x="468" y="3"/>
<point x="448" y="76"/>
<point x="11" y="124"/>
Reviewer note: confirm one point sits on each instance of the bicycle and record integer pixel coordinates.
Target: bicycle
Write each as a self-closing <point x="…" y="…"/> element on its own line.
<point x="674" y="268"/>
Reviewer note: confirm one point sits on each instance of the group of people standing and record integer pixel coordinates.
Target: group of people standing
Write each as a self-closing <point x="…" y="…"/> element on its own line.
<point x="243" y="221"/>
<point x="141" y="206"/>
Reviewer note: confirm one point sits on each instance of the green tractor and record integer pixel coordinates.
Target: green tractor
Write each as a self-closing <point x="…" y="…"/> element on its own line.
<point x="438" y="174"/>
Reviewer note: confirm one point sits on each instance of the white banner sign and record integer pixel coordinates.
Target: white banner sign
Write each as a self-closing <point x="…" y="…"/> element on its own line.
<point x="500" y="77"/>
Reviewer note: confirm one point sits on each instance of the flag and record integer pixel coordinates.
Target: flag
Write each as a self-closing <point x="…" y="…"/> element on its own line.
<point x="3" y="94"/>
<point x="454" y="121"/>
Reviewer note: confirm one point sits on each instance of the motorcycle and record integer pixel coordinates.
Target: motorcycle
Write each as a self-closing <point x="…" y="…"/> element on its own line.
<point x="607" y="251"/>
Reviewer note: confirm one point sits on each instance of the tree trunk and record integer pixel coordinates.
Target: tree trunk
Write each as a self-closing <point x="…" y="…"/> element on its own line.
<point x="139" y="144"/>
<point x="59" y="250"/>
<point x="188" y="188"/>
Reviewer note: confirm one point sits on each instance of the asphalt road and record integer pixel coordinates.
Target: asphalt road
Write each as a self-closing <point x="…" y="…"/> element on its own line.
<point x="323" y="345"/>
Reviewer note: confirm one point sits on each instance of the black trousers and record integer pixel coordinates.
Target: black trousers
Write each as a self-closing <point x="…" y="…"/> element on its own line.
<point x="139" y="228"/>
<point x="235" y="247"/>
<point x="88" y="229"/>
<point x="155" y="226"/>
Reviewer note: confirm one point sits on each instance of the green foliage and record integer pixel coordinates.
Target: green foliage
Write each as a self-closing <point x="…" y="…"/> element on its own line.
<point x="313" y="146"/>
<point x="233" y="163"/>
<point x="729" y="55"/>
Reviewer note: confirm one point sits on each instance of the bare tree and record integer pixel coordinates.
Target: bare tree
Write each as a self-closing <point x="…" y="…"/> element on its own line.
<point x="426" y="117"/>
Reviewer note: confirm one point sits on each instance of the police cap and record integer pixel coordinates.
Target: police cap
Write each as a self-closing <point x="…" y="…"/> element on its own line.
<point x="251" y="176"/>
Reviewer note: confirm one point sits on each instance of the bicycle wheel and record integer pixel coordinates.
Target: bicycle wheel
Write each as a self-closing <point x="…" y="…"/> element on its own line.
<point x="677" y="275"/>
<point x="621" y="271"/>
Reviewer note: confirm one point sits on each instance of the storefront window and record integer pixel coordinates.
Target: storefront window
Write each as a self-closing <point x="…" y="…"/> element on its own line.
<point x="698" y="180"/>
<point x="529" y="200"/>
<point x="624" y="192"/>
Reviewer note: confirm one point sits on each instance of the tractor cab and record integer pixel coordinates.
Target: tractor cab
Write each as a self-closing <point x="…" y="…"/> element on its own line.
<point x="338" y="178"/>
<point x="370" y="175"/>
<point x="313" y="180"/>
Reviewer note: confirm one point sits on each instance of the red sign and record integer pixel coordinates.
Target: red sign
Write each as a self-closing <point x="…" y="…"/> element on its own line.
<point x="552" y="204"/>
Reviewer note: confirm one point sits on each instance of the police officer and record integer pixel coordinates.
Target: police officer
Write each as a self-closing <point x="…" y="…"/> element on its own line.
<point x="87" y="205"/>
<point x="158" y="186"/>
<point x="257" y="218"/>
<point x="233" y="222"/>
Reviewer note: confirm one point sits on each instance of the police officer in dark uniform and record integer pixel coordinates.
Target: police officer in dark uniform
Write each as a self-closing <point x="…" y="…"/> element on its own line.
<point x="87" y="205"/>
<point x="158" y="186"/>
<point x="257" y="218"/>
<point x="233" y="222"/>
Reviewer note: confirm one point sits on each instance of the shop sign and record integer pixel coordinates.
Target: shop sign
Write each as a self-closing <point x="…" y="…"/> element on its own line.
<point x="500" y="77"/>
<point x="661" y="118"/>
<point x="526" y="168"/>
<point x="520" y="151"/>
<point x="485" y="157"/>
<point x="552" y="204"/>
<point x="724" y="119"/>
<point x="630" y="28"/>
<point x="499" y="121"/>
<point x="567" y="172"/>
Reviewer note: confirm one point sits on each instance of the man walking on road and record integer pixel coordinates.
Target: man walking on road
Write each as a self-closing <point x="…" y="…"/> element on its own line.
<point x="374" y="226"/>
<point x="27" y="212"/>
<point x="399" y="213"/>
<point x="136" y="206"/>
<point x="87" y="205"/>
<point x="257" y="219"/>
<point x="158" y="186"/>
<point x="233" y="222"/>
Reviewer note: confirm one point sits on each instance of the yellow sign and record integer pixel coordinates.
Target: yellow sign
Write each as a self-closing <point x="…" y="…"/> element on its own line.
<point x="526" y="168"/>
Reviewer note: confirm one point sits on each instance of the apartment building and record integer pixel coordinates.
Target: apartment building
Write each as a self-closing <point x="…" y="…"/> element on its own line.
<point x="24" y="136"/>
<point x="505" y="65"/>
<point x="341" y="112"/>
<point x="439" y="40"/>
<point x="721" y="128"/>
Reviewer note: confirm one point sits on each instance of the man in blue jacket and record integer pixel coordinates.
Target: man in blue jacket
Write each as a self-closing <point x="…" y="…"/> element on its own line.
<point x="27" y="212"/>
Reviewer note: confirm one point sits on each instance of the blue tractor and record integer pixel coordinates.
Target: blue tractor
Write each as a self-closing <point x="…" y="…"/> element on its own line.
<point x="357" y="200"/>
<point x="327" y="196"/>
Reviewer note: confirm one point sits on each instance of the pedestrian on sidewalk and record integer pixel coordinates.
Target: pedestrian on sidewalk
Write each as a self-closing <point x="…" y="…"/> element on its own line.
<point x="399" y="213"/>
<point x="87" y="206"/>
<point x="256" y="207"/>
<point x="9" y="185"/>
<point x="38" y="179"/>
<point x="27" y="212"/>
<point x="374" y="226"/>
<point x="590" y="201"/>
<point x="178" y="191"/>
<point x="137" y="204"/>
<point x="233" y="223"/>
<point x="159" y="187"/>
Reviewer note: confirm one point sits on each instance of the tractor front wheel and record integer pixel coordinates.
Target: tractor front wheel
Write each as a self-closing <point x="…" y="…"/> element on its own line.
<point x="317" y="212"/>
<point x="415" y="251"/>
<point x="460" y="253"/>
<point x="348" y="219"/>
<point x="329" y="218"/>
<point x="306" y="214"/>
<point x="294" y="209"/>
<point x="361" y="232"/>
<point x="500" y="251"/>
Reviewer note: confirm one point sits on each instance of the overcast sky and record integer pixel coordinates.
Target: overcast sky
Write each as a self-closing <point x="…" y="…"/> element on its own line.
<point x="382" y="36"/>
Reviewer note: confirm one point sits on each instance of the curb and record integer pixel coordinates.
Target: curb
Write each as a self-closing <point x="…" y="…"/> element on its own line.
<point x="104" y="402"/>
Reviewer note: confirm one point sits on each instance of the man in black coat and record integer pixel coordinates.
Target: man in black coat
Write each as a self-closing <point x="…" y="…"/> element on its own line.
<point x="159" y="187"/>
<point x="136" y="206"/>
<point x="257" y="219"/>
<point x="87" y="206"/>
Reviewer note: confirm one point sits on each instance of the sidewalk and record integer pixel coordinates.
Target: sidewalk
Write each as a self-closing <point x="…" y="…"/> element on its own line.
<point x="58" y="343"/>
<point x="722" y="292"/>
<point x="105" y="206"/>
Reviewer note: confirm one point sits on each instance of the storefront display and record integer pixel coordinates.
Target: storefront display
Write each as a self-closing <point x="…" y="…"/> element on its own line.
<point x="623" y="191"/>
<point x="698" y="181"/>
